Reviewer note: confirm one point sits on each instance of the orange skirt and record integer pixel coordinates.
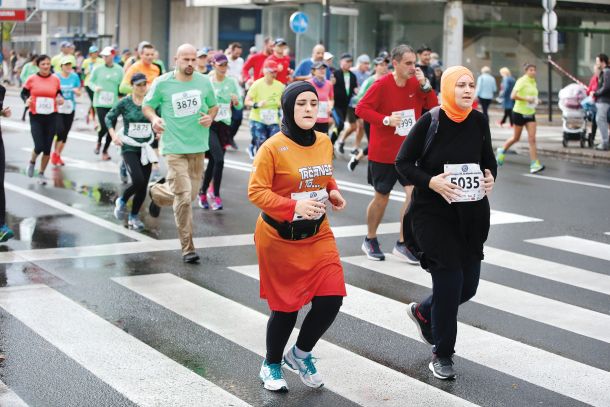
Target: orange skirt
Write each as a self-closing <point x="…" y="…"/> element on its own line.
<point x="292" y="272"/>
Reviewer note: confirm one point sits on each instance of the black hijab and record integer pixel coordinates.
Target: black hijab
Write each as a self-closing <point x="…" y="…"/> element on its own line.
<point x="300" y="136"/>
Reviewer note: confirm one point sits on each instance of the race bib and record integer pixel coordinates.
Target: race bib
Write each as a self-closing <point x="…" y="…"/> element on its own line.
<point x="140" y="130"/>
<point x="320" y="196"/>
<point x="106" y="98"/>
<point x="532" y="105"/>
<point x="186" y="103"/>
<point x="323" y="110"/>
<point x="269" y="116"/>
<point x="407" y="121"/>
<point x="224" y="112"/>
<point x="470" y="178"/>
<point x="44" y="105"/>
<point x="67" y="107"/>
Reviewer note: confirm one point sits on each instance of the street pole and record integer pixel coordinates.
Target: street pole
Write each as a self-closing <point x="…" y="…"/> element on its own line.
<point x="550" y="88"/>
<point x="326" y="18"/>
<point x="117" y="27"/>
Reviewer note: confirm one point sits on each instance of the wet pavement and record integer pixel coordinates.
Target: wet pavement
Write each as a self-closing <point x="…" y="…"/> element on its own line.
<point x="93" y="314"/>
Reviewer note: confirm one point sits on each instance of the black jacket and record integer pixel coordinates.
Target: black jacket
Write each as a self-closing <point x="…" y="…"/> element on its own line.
<point x="341" y="98"/>
<point x="602" y="95"/>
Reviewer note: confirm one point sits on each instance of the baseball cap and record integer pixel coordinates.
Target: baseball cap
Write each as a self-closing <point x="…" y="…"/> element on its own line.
<point x="202" y="52"/>
<point x="142" y="44"/>
<point x="66" y="44"/>
<point x="347" y="56"/>
<point x="93" y="49"/>
<point x="137" y="78"/>
<point x="107" y="51"/>
<point x="318" y="65"/>
<point x="280" y="41"/>
<point x="220" y="58"/>
<point x="363" y="59"/>
<point x="379" y="60"/>
<point x="65" y="60"/>
<point x="270" y="66"/>
<point x="384" y="55"/>
<point x="328" y="55"/>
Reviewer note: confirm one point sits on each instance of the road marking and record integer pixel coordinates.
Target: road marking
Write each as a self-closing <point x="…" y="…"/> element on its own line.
<point x="144" y="376"/>
<point x="547" y="311"/>
<point x="246" y="327"/>
<point x="568" y="181"/>
<point x="537" y="366"/>
<point x="9" y="398"/>
<point x="576" y="245"/>
<point x="547" y="269"/>
<point x="100" y="166"/>
<point x="78" y="213"/>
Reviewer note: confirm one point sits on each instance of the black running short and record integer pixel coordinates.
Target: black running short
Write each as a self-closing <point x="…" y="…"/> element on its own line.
<point x="383" y="177"/>
<point x="521" y="119"/>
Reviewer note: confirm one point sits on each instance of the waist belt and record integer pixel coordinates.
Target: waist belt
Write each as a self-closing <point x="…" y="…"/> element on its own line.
<point x="295" y="230"/>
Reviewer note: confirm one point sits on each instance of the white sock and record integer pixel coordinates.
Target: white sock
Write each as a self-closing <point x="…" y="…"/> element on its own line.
<point x="299" y="353"/>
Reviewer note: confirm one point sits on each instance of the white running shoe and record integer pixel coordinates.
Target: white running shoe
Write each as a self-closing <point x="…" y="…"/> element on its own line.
<point x="273" y="377"/>
<point x="307" y="370"/>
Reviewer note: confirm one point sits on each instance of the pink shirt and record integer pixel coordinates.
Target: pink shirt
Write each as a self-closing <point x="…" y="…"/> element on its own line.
<point x="325" y="94"/>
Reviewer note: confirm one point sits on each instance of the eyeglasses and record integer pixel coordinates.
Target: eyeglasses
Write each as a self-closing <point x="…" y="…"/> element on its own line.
<point x="140" y="84"/>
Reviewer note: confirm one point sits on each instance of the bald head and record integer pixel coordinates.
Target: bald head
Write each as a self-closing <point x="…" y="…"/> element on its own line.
<point x="186" y="58"/>
<point x="317" y="53"/>
<point x="185" y="49"/>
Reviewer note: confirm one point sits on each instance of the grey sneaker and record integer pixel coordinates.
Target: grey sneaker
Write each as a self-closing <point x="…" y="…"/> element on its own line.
<point x="307" y="370"/>
<point x="134" y="223"/>
<point x="424" y="327"/>
<point x="442" y="368"/>
<point x="42" y="180"/>
<point x="372" y="249"/>
<point x="400" y="250"/>
<point x="30" y="169"/>
<point x="119" y="208"/>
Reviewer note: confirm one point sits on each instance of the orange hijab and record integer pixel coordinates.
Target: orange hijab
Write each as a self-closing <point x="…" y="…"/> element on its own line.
<point x="448" y="81"/>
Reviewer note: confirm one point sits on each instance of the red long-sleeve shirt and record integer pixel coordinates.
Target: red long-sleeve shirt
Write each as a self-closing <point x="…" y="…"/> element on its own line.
<point x="383" y="98"/>
<point x="283" y="64"/>
<point x="254" y="62"/>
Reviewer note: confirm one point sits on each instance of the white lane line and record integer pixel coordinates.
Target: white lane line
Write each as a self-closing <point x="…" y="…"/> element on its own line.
<point x="342" y="370"/>
<point x="607" y="233"/>
<point x="568" y="181"/>
<point x="576" y="245"/>
<point x="547" y="311"/>
<point x="134" y="369"/>
<point x="9" y="398"/>
<point x="100" y="166"/>
<point x="26" y="127"/>
<point x="547" y="269"/>
<point x="78" y="213"/>
<point x="542" y="368"/>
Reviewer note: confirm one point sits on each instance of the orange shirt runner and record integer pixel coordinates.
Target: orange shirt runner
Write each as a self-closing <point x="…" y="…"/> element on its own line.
<point x="292" y="272"/>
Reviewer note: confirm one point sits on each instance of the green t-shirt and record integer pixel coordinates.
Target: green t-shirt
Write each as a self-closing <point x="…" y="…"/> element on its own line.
<point x="89" y="66"/>
<point x="363" y="88"/>
<point x="271" y="94"/>
<point x="525" y="87"/>
<point x="181" y="104"/>
<point x="223" y="91"/>
<point x="28" y="70"/>
<point x="109" y="79"/>
<point x="135" y="124"/>
<point x="56" y="61"/>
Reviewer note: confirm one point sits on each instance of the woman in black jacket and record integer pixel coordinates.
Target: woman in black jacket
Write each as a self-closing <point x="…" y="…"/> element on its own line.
<point x="450" y="211"/>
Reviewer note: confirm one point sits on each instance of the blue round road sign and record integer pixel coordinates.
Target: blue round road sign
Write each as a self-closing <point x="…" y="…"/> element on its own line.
<point x="299" y="22"/>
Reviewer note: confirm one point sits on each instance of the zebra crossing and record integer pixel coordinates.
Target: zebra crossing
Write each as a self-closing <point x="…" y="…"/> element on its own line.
<point x="373" y="356"/>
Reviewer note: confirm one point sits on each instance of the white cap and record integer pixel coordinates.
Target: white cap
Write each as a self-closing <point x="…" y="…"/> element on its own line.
<point x="107" y="51"/>
<point x="328" y="55"/>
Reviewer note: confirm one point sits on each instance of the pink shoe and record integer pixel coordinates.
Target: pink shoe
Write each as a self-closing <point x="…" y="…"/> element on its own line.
<point x="216" y="203"/>
<point x="210" y="193"/>
<point x="203" y="202"/>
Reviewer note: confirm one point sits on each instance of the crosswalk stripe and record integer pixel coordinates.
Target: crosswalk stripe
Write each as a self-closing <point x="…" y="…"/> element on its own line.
<point x="9" y="398"/>
<point x="548" y="269"/>
<point x="140" y="373"/>
<point x="565" y="180"/>
<point x="547" y="311"/>
<point x="537" y="366"/>
<point x="246" y="327"/>
<point x="576" y="245"/>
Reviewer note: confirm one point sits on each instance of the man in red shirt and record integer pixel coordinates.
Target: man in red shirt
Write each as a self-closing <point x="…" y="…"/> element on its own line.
<point x="255" y="63"/>
<point x="283" y="61"/>
<point x="392" y="105"/>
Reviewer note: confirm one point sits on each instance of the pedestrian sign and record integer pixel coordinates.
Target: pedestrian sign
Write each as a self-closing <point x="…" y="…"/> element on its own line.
<point x="299" y="22"/>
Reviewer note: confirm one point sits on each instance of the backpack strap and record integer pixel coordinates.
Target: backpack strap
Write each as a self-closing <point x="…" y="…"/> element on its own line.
<point x="432" y="130"/>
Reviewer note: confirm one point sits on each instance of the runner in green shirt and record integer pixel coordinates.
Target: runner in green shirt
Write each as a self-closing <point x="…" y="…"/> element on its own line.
<point x="89" y="64"/>
<point x="188" y="107"/>
<point x="28" y="70"/>
<point x="104" y="82"/>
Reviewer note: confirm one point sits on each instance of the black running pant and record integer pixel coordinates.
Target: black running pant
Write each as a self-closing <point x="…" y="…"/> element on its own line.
<point x="508" y="113"/>
<point x="64" y="124"/>
<point x="216" y="163"/>
<point x="237" y="116"/>
<point x="485" y="106"/>
<point x="323" y="312"/>
<point x="140" y="175"/>
<point x="101" y="117"/>
<point x="43" y="127"/>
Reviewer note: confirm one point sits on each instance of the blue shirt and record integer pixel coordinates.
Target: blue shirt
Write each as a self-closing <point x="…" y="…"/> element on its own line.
<point x="304" y="69"/>
<point x="508" y="83"/>
<point x="486" y="86"/>
<point x="68" y="85"/>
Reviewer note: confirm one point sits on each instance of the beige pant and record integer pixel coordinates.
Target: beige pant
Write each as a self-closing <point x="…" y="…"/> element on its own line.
<point x="180" y="189"/>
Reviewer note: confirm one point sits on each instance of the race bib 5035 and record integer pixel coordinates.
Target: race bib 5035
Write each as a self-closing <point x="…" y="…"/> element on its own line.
<point x="468" y="177"/>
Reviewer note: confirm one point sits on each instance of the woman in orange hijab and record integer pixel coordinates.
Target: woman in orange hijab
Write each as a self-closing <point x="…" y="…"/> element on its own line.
<point x="449" y="211"/>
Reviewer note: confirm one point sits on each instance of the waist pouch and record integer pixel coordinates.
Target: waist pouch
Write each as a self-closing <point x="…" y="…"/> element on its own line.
<point x="295" y="230"/>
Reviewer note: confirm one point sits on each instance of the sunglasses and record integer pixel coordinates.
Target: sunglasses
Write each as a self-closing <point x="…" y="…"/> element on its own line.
<point x="140" y="84"/>
<point x="222" y="64"/>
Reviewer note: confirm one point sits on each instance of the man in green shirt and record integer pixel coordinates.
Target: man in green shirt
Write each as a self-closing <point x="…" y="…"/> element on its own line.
<point x="188" y="107"/>
<point x="104" y="83"/>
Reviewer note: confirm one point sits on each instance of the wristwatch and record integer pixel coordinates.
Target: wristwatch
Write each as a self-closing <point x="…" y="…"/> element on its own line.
<point x="386" y="121"/>
<point x="426" y="87"/>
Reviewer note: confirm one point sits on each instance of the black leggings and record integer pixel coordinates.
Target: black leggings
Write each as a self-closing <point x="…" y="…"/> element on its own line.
<point x="101" y="117"/>
<point x="507" y="113"/>
<point x="323" y="312"/>
<point x="485" y="106"/>
<point x="64" y="124"/>
<point x="43" y="131"/>
<point x="140" y="175"/>
<point x="216" y="163"/>
<point x="2" y="197"/>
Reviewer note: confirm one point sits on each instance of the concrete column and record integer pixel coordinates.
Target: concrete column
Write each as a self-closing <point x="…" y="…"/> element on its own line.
<point x="101" y="17"/>
<point x="453" y="33"/>
<point x="44" y="33"/>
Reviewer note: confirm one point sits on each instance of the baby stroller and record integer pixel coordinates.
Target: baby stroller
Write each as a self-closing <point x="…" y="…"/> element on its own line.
<point x="573" y="116"/>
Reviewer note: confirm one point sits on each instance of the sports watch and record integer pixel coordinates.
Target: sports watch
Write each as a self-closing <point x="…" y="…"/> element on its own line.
<point x="386" y="121"/>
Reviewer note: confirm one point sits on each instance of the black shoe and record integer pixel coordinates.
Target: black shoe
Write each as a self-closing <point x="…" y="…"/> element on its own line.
<point x="442" y="368"/>
<point x="153" y="209"/>
<point x="191" y="258"/>
<point x="351" y="165"/>
<point x="424" y="327"/>
<point x="354" y="152"/>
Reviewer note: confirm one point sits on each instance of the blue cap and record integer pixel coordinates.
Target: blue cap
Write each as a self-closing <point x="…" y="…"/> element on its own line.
<point x="93" y="49"/>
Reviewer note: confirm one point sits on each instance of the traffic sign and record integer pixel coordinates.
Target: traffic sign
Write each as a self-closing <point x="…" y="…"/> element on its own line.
<point x="12" y="15"/>
<point x="550" y="42"/>
<point x="549" y="20"/>
<point x="299" y="22"/>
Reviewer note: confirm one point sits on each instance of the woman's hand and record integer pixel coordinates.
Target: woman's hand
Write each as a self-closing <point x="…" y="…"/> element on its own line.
<point x="488" y="182"/>
<point x="117" y="141"/>
<point x="444" y="188"/>
<point x="337" y="200"/>
<point x="6" y="112"/>
<point x="310" y="209"/>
